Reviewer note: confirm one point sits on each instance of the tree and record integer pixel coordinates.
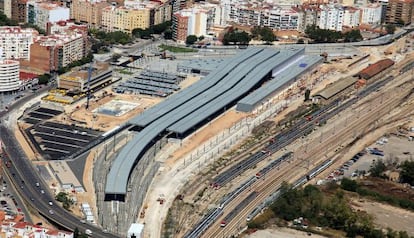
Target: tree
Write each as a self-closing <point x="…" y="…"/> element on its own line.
<point x="349" y="185"/>
<point x="44" y="78"/>
<point x="201" y="38"/>
<point x="353" y="36"/>
<point x="407" y="172"/>
<point x="263" y="33"/>
<point x="377" y="169"/>
<point x="142" y="33"/>
<point x="236" y="37"/>
<point x="307" y="95"/>
<point x="191" y="39"/>
<point x="390" y="28"/>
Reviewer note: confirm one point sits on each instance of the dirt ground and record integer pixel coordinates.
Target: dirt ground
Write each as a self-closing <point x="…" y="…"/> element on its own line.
<point x="388" y="216"/>
<point x="212" y="129"/>
<point x="281" y="232"/>
<point x="103" y="122"/>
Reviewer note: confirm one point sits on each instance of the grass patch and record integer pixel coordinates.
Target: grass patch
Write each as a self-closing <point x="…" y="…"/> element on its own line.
<point x="176" y="49"/>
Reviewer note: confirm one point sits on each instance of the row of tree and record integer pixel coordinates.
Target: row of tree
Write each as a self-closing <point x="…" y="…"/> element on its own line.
<point x="319" y="35"/>
<point x="163" y="28"/>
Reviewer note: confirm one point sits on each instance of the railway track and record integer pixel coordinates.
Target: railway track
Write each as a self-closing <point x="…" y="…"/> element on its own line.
<point x="362" y="124"/>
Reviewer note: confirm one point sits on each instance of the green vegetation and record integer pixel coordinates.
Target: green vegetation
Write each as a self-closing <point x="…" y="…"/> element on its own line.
<point x="176" y="49"/>
<point x="263" y="34"/>
<point x="124" y="71"/>
<point x="390" y="28"/>
<point x="377" y="169"/>
<point x="4" y="21"/>
<point x="163" y="28"/>
<point x="329" y="209"/>
<point x="116" y="37"/>
<point x="407" y="172"/>
<point x="191" y="39"/>
<point x="44" y="78"/>
<point x="236" y="37"/>
<point x="352" y="36"/>
<point x="78" y="234"/>
<point x="65" y="200"/>
<point x="353" y="186"/>
<point x="329" y="36"/>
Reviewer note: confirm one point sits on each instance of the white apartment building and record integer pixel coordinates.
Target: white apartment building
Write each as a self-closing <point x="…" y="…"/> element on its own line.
<point x="16" y="42"/>
<point x="42" y="13"/>
<point x="264" y="14"/>
<point x="351" y="17"/>
<point x="371" y="14"/>
<point x="9" y="75"/>
<point x="331" y="17"/>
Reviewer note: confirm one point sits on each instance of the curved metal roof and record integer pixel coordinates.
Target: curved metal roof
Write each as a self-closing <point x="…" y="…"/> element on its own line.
<point x="175" y="108"/>
<point x="193" y="90"/>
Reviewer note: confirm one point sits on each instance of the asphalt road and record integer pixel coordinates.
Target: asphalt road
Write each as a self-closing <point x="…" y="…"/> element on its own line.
<point x="25" y="177"/>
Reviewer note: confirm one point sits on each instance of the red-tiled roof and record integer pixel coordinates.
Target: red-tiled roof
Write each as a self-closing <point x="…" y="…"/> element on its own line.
<point x="375" y="68"/>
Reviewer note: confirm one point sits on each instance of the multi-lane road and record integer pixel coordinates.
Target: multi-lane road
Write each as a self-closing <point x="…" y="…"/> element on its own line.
<point x="24" y="175"/>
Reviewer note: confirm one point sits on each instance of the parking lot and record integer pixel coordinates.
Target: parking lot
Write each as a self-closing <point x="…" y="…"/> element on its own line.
<point x="40" y="114"/>
<point x="55" y="140"/>
<point x="389" y="149"/>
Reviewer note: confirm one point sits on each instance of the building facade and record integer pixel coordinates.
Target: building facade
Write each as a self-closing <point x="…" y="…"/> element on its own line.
<point x="9" y="76"/>
<point x="41" y="13"/>
<point x="308" y="15"/>
<point x="88" y="12"/>
<point x="371" y="14"/>
<point x="16" y="42"/>
<point x="399" y="11"/>
<point x="351" y="17"/>
<point x="331" y="17"/>
<point x="19" y="11"/>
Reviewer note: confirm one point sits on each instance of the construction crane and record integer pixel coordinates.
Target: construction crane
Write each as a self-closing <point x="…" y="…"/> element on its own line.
<point x="88" y="86"/>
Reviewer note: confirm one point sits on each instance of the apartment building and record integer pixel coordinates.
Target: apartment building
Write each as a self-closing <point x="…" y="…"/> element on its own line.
<point x="308" y="15"/>
<point x="134" y="15"/>
<point x="125" y="19"/>
<point x="371" y="14"/>
<point x="160" y="12"/>
<point x="9" y="76"/>
<point x="264" y="14"/>
<point x="399" y="11"/>
<point x="50" y="53"/>
<point x="331" y="17"/>
<point x="351" y="17"/>
<point x="19" y="10"/>
<point x="16" y="42"/>
<point x="41" y="13"/>
<point x="88" y="12"/>
<point x="193" y="21"/>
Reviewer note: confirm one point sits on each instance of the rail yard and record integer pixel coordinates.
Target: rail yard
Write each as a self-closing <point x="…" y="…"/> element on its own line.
<point x="131" y="173"/>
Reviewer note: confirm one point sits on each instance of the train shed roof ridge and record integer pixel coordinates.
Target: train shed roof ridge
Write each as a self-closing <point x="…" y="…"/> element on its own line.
<point x="193" y="90"/>
<point x="294" y="70"/>
<point x="117" y="178"/>
<point x="252" y="78"/>
<point x="336" y="87"/>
